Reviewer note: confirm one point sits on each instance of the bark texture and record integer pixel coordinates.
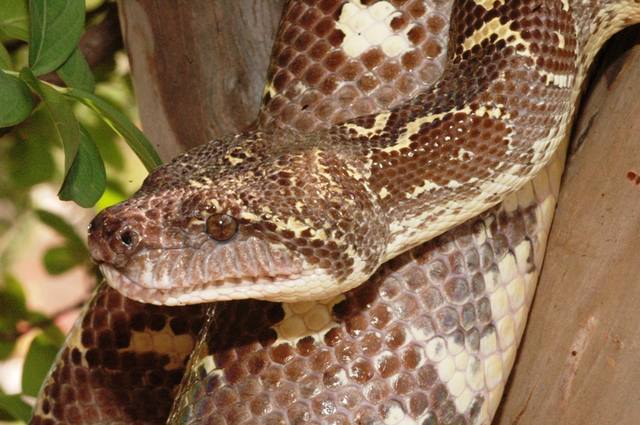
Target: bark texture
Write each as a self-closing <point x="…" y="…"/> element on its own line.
<point x="198" y="68"/>
<point x="578" y="362"/>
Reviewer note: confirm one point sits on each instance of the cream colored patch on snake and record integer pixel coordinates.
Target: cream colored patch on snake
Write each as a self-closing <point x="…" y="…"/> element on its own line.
<point x="561" y="40"/>
<point x="558" y="80"/>
<point x="449" y="214"/>
<point x="395" y="415"/>
<point x="378" y="125"/>
<point x="306" y="318"/>
<point x="270" y="90"/>
<point x="494" y="28"/>
<point x="164" y="342"/>
<point x="510" y="290"/>
<point x="365" y="27"/>
<point x="413" y="127"/>
<point x="511" y="296"/>
<point x="427" y="186"/>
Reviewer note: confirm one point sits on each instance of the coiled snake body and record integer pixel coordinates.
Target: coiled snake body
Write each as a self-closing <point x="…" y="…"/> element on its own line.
<point x="284" y="215"/>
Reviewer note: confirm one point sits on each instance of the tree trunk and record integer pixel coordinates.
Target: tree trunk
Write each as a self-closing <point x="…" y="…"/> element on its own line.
<point x="198" y="66"/>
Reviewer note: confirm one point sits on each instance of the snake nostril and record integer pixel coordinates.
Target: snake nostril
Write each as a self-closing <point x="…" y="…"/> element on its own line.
<point x="126" y="237"/>
<point x="128" y="240"/>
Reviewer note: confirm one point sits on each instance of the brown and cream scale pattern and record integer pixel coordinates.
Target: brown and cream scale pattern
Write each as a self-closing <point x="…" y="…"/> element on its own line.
<point x="121" y="363"/>
<point x="429" y="339"/>
<point x="322" y="377"/>
<point x="118" y="399"/>
<point x="337" y="59"/>
<point x="456" y="418"/>
<point x="486" y="127"/>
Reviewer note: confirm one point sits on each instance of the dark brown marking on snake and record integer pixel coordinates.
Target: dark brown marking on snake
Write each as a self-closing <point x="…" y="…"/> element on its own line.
<point x="284" y="108"/>
<point x="438" y="397"/>
<point x="118" y="374"/>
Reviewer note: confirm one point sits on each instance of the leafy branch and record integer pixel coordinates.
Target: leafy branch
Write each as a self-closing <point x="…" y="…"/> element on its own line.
<point x="53" y="30"/>
<point x="47" y="65"/>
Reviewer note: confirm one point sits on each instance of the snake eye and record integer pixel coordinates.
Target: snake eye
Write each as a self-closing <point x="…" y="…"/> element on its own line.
<point x="221" y="227"/>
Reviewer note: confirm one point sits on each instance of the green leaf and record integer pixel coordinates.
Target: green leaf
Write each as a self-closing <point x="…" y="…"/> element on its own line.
<point x="121" y="124"/>
<point x="54" y="334"/>
<point x="5" y="58"/>
<point x="7" y="345"/>
<point x="12" y="304"/>
<point x="56" y="26"/>
<point x="113" y="194"/>
<point x="6" y="417"/>
<point x="66" y="127"/>
<point x="30" y="162"/>
<point x="64" y="229"/>
<point x="42" y="352"/>
<point x="60" y="259"/>
<point x="13" y="308"/>
<point x="16" y="102"/>
<point x="75" y="72"/>
<point x="14" y="19"/>
<point x="86" y="180"/>
<point x="13" y="288"/>
<point x="15" y="406"/>
<point x="46" y="325"/>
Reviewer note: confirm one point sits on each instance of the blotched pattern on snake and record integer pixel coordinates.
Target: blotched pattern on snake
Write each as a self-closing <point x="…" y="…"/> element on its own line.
<point x="289" y="215"/>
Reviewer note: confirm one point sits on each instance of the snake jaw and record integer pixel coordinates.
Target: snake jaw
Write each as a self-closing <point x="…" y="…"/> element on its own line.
<point x="154" y="274"/>
<point x="271" y="288"/>
<point x="246" y="268"/>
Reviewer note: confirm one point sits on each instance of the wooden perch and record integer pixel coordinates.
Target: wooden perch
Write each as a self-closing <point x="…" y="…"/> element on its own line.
<point x="198" y="66"/>
<point x="578" y="362"/>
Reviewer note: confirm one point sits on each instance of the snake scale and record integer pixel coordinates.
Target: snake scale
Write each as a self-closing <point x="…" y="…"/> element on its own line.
<point x="301" y="211"/>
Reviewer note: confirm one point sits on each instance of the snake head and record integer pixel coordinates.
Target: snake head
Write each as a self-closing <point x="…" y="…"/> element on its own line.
<point x="243" y="218"/>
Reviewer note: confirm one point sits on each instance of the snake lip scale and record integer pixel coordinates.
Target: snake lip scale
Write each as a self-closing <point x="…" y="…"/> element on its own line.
<point x="225" y="289"/>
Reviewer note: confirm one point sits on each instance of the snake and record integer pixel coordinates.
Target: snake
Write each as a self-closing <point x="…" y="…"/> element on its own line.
<point x="338" y="296"/>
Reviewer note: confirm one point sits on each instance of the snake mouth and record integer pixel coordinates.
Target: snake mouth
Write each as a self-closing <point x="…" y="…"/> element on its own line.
<point x="270" y="288"/>
<point x="250" y="268"/>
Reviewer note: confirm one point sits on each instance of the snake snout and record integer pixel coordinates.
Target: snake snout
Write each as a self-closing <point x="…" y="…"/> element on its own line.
<point x="113" y="240"/>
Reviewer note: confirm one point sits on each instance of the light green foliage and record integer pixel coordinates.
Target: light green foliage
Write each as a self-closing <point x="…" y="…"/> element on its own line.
<point x="55" y="29"/>
<point x="42" y="352"/>
<point x="52" y="30"/>
<point x="14" y="407"/>
<point x="116" y="120"/>
<point x="13" y="306"/>
<point x="66" y="136"/>
<point x="64" y="126"/>
<point x="86" y="180"/>
<point x="71" y="253"/>
<point x="5" y="58"/>
<point x="75" y="72"/>
<point x="16" y="99"/>
<point x="14" y="20"/>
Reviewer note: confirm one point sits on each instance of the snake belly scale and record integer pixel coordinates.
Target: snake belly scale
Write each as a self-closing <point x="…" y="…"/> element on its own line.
<point x="370" y="189"/>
